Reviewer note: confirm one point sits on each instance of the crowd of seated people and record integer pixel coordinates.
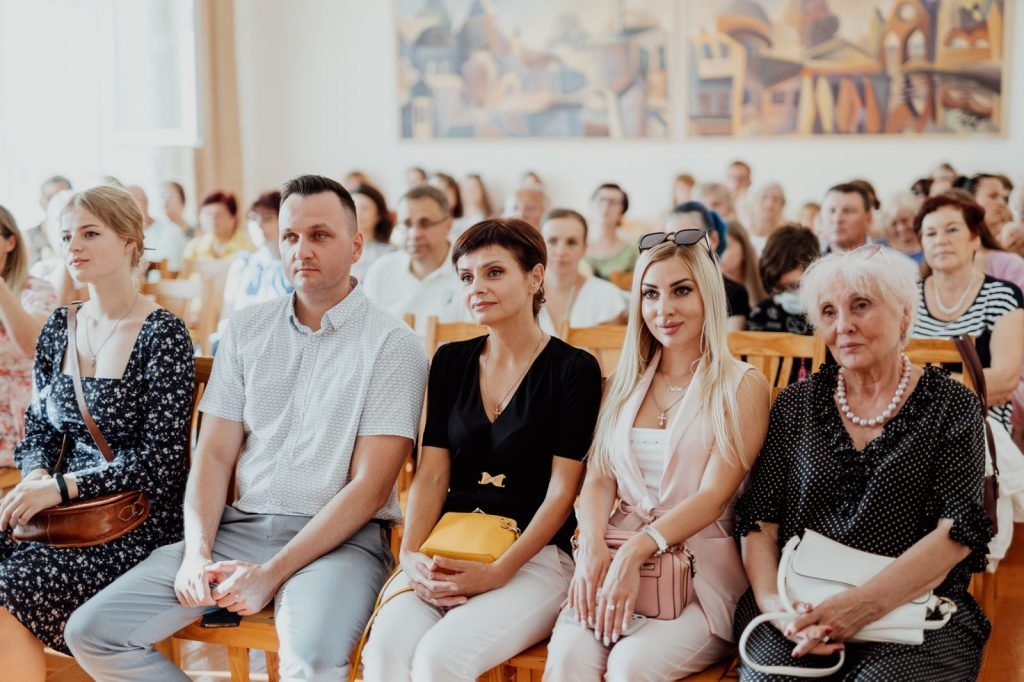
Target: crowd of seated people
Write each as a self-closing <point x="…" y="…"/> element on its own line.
<point x="685" y="447"/>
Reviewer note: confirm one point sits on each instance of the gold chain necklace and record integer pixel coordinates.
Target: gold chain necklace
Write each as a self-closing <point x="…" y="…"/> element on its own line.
<point x="498" y="404"/>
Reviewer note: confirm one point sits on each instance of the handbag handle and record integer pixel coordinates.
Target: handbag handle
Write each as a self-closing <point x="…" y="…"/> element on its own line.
<point x="76" y="375"/>
<point x="973" y="368"/>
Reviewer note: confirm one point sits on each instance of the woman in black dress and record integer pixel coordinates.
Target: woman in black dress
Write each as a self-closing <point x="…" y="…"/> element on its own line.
<point x="510" y="417"/>
<point x="883" y="457"/>
<point x="137" y="375"/>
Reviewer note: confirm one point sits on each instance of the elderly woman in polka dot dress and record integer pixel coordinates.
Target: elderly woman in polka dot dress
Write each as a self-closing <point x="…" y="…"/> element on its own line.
<point x="881" y="456"/>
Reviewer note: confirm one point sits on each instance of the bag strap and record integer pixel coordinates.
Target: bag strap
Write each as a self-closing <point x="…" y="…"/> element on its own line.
<point x="782" y="669"/>
<point x="76" y="375"/>
<point x="973" y="368"/>
<point x="357" y="655"/>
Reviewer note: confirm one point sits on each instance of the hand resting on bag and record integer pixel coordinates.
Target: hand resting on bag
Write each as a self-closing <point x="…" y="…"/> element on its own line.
<point x="592" y="562"/>
<point x="26" y="500"/>
<point x="439" y="593"/>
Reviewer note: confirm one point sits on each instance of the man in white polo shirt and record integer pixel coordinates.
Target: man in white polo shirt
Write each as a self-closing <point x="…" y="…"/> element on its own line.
<point x="419" y="280"/>
<point x="314" y="404"/>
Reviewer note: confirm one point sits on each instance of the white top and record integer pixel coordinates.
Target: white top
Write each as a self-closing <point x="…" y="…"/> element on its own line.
<point x="758" y="242"/>
<point x="253" y="278"/>
<point x="165" y="241"/>
<point x="391" y="285"/>
<point x="304" y="397"/>
<point x="649" y="447"/>
<point x="372" y="251"/>
<point x="597" y="302"/>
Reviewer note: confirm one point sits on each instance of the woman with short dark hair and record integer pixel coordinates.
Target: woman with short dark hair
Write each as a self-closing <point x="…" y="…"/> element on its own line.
<point x="510" y="417"/>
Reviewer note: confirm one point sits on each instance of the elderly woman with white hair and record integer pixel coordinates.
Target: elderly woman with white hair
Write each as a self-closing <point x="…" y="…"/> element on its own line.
<point x="883" y="457"/>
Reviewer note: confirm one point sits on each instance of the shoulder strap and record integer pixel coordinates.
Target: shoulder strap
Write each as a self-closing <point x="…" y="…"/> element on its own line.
<point x="76" y="374"/>
<point x="973" y="368"/>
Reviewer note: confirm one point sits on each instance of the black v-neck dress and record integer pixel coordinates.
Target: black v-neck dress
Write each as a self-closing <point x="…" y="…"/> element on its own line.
<point x="551" y="414"/>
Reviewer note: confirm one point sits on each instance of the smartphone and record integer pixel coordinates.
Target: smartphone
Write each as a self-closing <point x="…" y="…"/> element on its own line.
<point x="636" y="621"/>
<point x="221" y="618"/>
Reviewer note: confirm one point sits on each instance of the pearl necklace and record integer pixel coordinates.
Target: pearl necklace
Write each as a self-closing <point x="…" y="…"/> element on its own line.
<point x="960" y="301"/>
<point x="844" y="407"/>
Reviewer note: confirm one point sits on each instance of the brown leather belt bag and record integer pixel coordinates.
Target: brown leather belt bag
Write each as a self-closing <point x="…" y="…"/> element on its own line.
<point x="84" y="523"/>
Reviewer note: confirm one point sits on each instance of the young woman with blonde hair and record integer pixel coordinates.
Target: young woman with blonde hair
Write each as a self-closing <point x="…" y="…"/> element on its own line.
<point x="25" y="303"/>
<point x="670" y="448"/>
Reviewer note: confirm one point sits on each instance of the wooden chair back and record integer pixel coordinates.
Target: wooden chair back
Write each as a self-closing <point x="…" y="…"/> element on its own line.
<point x="623" y="279"/>
<point x="774" y="354"/>
<point x="602" y="341"/>
<point x="935" y="352"/>
<point x="437" y="333"/>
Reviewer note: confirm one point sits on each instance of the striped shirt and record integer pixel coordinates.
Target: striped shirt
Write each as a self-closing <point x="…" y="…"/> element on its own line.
<point x="995" y="299"/>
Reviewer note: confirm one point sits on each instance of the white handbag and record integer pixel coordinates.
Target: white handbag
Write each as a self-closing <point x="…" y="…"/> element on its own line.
<point x="816" y="568"/>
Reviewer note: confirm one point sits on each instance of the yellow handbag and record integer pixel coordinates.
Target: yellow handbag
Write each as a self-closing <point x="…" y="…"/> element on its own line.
<point x="471" y="536"/>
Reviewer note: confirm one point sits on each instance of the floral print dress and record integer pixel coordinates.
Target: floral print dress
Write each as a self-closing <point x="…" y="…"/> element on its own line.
<point x="144" y="416"/>
<point x="37" y="298"/>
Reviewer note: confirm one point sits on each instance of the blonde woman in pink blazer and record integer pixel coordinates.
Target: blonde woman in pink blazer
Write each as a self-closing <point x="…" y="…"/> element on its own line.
<point x="680" y="428"/>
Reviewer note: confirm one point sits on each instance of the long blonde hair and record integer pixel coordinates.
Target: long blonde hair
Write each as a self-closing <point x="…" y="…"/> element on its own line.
<point x="716" y="370"/>
<point x="116" y="208"/>
<point x="16" y="266"/>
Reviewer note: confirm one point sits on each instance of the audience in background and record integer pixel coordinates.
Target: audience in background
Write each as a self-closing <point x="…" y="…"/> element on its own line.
<point x="767" y="214"/>
<point x="716" y="197"/>
<point x="739" y="187"/>
<point x="739" y="262"/>
<point x="682" y="189"/>
<point x="447" y="184"/>
<point x="573" y="299"/>
<point x="419" y="280"/>
<point x="607" y="254"/>
<point x="164" y="240"/>
<point x="257" y="276"/>
<point x="527" y="203"/>
<point x="356" y="178"/>
<point x="220" y="235"/>
<point x="375" y="224"/>
<point x="898" y="227"/>
<point x="37" y="241"/>
<point x="955" y="298"/>
<point x="25" y="303"/>
<point x="789" y="251"/>
<point x="992" y="192"/>
<point x="415" y="176"/>
<point x="847" y="213"/>
<point x="477" y="202"/>
<point x="172" y="194"/>
<point x="530" y="178"/>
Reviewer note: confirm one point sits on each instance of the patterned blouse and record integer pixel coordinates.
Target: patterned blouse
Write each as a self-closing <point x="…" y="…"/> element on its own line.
<point x="39" y="299"/>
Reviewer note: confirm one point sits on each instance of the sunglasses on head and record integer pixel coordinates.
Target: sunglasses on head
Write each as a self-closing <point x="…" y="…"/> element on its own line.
<point x="687" y="237"/>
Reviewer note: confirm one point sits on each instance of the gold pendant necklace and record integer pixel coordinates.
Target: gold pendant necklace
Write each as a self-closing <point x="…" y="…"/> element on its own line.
<point x="498" y="405"/>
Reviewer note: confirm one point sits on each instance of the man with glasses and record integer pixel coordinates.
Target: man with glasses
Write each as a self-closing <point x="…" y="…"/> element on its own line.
<point x="419" y="280"/>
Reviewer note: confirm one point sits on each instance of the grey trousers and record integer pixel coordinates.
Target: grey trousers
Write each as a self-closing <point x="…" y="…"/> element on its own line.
<point x="320" y="611"/>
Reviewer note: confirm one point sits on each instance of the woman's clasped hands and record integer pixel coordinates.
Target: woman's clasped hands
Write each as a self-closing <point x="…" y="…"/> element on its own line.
<point x="446" y="583"/>
<point x="33" y="494"/>
<point x="603" y="590"/>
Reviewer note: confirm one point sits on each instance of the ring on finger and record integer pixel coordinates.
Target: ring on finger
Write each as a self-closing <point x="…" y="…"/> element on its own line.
<point x="610" y="607"/>
<point x="826" y="639"/>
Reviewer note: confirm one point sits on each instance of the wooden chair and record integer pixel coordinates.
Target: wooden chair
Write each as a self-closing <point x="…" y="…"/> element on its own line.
<point x="603" y="342"/>
<point x="774" y="353"/>
<point x="437" y="333"/>
<point x="184" y="298"/>
<point x="623" y="279"/>
<point x="9" y="477"/>
<point x="935" y="352"/>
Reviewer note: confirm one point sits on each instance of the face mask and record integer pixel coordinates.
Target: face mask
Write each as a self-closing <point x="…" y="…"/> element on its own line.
<point x="255" y="233"/>
<point x="791" y="302"/>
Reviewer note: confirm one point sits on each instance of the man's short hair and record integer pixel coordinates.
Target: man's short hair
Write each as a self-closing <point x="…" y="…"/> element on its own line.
<point x="852" y="188"/>
<point x="310" y="185"/>
<point x="428" y="192"/>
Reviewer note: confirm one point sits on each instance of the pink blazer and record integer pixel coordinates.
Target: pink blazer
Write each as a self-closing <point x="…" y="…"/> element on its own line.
<point x="720" y="579"/>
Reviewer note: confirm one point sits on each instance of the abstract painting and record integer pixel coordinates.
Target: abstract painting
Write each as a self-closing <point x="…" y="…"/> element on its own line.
<point x="833" y="67"/>
<point x="533" y="68"/>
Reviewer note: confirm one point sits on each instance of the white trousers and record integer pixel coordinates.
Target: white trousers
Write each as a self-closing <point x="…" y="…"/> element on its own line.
<point x="660" y="650"/>
<point x="414" y="640"/>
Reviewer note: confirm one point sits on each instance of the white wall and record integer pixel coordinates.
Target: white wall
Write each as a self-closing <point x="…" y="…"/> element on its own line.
<point x="318" y="95"/>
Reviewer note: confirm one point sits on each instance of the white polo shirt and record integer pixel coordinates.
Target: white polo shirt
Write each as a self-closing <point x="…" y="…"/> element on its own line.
<point x="391" y="285"/>
<point x="304" y="396"/>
